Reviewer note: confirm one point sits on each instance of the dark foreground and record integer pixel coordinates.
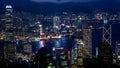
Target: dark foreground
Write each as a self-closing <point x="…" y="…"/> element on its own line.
<point x="88" y="63"/>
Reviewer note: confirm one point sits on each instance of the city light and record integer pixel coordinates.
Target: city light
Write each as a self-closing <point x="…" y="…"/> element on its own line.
<point x="59" y="35"/>
<point x="8" y="6"/>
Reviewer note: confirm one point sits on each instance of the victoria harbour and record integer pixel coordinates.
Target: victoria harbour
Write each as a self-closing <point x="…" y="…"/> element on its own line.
<point x="59" y="34"/>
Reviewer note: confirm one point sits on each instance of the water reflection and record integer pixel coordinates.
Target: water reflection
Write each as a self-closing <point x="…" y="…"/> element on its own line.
<point x="49" y="44"/>
<point x="57" y="43"/>
<point x="63" y="42"/>
<point x="37" y="45"/>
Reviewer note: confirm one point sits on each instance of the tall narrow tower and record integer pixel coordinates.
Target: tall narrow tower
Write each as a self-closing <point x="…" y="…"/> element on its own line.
<point x="117" y="49"/>
<point x="9" y="24"/>
<point x="79" y="24"/>
<point x="107" y="32"/>
<point x="9" y="46"/>
<point x="56" y="22"/>
<point x="87" y="38"/>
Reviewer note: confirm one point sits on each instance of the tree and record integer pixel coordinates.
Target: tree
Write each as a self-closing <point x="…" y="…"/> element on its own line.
<point x="43" y="57"/>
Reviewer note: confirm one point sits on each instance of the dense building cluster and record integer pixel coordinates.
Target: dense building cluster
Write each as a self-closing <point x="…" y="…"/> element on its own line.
<point x="62" y="41"/>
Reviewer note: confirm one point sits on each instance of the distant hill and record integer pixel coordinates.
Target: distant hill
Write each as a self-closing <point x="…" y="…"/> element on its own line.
<point x="48" y="8"/>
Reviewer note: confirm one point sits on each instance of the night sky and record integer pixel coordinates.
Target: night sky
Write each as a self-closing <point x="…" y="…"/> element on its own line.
<point x="63" y="1"/>
<point x="60" y="5"/>
<point x="108" y="2"/>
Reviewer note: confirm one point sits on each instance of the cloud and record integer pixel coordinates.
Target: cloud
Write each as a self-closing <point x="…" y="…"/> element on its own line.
<point x="62" y="1"/>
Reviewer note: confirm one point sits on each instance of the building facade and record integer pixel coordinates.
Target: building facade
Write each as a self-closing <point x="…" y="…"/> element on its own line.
<point x="9" y="46"/>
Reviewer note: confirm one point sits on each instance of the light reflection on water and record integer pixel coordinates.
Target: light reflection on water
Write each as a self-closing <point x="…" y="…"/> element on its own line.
<point x="49" y="44"/>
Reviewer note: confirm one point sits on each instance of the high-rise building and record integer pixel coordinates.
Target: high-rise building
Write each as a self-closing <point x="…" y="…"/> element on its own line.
<point x="87" y="38"/>
<point x="80" y="53"/>
<point x="79" y="24"/>
<point x="56" y="22"/>
<point x="9" y="24"/>
<point x="27" y="48"/>
<point x="105" y="53"/>
<point x="9" y="46"/>
<point x="117" y="49"/>
<point x="107" y="32"/>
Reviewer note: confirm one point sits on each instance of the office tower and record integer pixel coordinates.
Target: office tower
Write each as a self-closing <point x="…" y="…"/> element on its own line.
<point x="79" y="23"/>
<point x="117" y="49"/>
<point x="73" y="54"/>
<point x="107" y="32"/>
<point x="56" y="22"/>
<point x="87" y="38"/>
<point x="98" y="16"/>
<point x="9" y="23"/>
<point x="80" y="53"/>
<point x="105" y="53"/>
<point x="9" y="46"/>
<point x="41" y="29"/>
<point x="62" y="57"/>
<point x="27" y="48"/>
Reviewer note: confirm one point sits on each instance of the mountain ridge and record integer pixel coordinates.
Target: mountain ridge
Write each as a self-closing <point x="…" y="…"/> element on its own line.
<point x="46" y="7"/>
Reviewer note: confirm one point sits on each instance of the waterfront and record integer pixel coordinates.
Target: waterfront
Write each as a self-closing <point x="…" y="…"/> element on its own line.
<point x="59" y="34"/>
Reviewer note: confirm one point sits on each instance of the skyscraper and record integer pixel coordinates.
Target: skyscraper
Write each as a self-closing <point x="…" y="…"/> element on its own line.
<point x="107" y="33"/>
<point x="9" y="24"/>
<point x="117" y="49"/>
<point x="56" y="22"/>
<point x="9" y="46"/>
<point x="79" y="22"/>
<point x="87" y="38"/>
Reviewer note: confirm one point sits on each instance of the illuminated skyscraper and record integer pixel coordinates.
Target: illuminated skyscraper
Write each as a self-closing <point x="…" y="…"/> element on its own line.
<point x="9" y="24"/>
<point x="107" y="32"/>
<point x="79" y="22"/>
<point x="27" y="48"/>
<point x="9" y="46"/>
<point x="87" y="38"/>
<point x="56" y="22"/>
<point x="117" y="49"/>
<point x="80" y="54"/>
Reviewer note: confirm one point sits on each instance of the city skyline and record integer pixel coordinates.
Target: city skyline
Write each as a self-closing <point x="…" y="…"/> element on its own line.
<point x="59" y="33"/>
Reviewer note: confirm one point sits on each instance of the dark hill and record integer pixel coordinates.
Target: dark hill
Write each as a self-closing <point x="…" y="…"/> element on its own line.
<point x="50" y="8"/>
